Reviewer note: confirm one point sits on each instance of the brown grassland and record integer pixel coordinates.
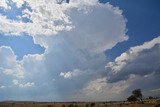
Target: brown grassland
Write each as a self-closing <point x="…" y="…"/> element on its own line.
<point x="146" y="103"/>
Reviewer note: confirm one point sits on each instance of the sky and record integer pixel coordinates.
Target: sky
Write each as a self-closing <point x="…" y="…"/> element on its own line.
<point x="84" y="50"/>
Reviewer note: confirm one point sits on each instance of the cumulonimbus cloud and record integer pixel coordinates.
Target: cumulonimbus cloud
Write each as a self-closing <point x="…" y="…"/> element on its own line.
<point x="75" y="36"/>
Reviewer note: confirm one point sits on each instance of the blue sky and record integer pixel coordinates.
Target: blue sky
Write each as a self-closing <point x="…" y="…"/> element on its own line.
<point x="81" y="51"/>
<point x="22" y="45"/>
<point x="142" y="22"/>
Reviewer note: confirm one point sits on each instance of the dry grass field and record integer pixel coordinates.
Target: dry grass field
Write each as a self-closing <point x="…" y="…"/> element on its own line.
<point x="147" y="103"/>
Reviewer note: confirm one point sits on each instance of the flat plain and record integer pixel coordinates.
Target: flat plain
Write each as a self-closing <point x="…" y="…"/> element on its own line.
<point x="146" y="103"/>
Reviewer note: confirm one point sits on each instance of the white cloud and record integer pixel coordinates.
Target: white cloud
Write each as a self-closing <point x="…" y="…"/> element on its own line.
<point x="25" y="85"/>
<point x="86" y="36"/>
<point x="18" y="3"/>
<point x="66" y="75"/>
<point x="9" y="65"/>
<point x="71" y="74"/>
<point x="48" y="18"/>
<point x="45" y="21"/>
<point x="153" y="90"/>
<point x="4" y="4"/>
<point x="97" y="85"/>
<point x="129" y="56"/>
<point x="1" y="87"/>
<point x="101" y="90"/>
